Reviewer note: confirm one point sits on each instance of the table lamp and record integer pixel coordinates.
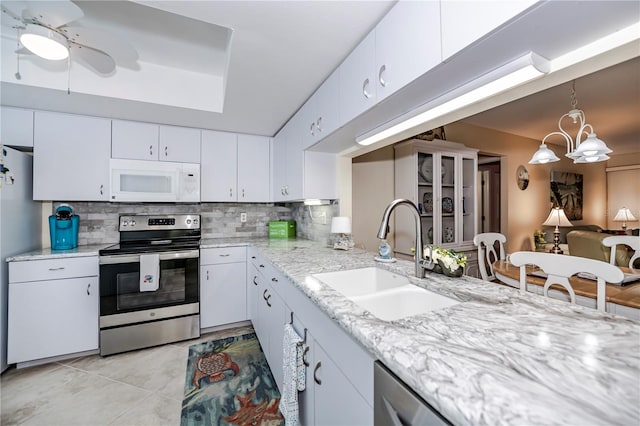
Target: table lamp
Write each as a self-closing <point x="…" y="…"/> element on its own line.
<point x="624" y="215"/>
<point x="341" y="225"/>
<point x="557" y="218"/>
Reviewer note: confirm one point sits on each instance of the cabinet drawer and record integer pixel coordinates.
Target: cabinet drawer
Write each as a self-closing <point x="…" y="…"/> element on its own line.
<point x="53" y="269"/>
<point x="212" y="256"/>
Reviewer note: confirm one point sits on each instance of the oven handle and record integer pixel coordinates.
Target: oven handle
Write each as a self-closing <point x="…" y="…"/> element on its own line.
<point x="135" y="258"/>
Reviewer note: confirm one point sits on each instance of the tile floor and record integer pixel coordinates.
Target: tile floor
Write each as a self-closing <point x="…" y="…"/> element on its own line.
<point x="138" y="388"/>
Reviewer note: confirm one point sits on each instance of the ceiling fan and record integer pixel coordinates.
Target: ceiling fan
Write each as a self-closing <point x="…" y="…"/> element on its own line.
<point x="44" y="30"/>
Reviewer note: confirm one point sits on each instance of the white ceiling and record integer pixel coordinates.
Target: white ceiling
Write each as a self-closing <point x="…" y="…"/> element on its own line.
<point x="610" y="99"/>
<point x="281" y="51"/>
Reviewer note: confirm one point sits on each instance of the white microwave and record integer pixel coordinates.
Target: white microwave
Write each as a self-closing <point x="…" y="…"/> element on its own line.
<point x="140" y="180"/>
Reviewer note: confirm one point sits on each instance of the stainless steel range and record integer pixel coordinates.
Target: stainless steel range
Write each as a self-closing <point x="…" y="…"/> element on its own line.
<point x="149" y="283"/>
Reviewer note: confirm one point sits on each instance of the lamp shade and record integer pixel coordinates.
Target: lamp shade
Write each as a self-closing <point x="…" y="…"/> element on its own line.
<point x="341" y="225"/>
<point x="624" y="215"/>
<point x="44" y="42"/>
<point x="543" y="155"/>
<point x="557" y="218"/>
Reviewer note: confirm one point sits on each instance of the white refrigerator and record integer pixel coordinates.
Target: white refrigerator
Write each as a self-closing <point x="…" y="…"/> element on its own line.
<point x="20" y="223"/>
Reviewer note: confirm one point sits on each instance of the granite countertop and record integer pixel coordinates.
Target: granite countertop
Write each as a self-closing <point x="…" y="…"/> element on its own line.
<point x="499" y="357"/>
<point x="47" y="253"/>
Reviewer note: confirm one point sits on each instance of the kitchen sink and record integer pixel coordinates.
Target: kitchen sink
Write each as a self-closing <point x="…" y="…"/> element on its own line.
<point x="386" y="295"/>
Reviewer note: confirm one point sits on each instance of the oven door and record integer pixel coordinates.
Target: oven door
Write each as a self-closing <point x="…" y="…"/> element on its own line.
<point x="120" y="282"/>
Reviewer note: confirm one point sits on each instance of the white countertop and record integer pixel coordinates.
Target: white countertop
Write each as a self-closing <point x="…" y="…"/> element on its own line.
<point x="47" y="253"/>
<point x="500" y="357"/>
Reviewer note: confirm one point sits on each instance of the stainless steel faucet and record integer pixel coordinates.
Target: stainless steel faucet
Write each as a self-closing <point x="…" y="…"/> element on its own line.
<point x="421" y="264"/>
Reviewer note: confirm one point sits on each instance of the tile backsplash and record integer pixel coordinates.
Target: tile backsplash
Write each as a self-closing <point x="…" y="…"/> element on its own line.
<point x="99" y="221"/>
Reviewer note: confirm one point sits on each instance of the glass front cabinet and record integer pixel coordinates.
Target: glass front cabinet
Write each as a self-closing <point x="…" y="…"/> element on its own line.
<point x="440" y="177"/>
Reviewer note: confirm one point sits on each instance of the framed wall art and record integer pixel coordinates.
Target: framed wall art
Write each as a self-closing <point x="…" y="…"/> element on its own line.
<point x="567" y="192"/>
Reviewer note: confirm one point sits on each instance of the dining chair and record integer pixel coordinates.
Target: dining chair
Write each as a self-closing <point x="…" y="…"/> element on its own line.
<point x="559" y="268"/>
<point x="487" y="252"/>
<point x="632" y="241"/>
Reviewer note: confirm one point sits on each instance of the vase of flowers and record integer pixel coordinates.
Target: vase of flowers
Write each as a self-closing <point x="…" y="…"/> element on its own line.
<point x="448" y="261"/>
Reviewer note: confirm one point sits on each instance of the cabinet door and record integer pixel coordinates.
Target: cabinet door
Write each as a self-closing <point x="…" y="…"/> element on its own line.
<point x="464" y="22"/>
<point x="279" y="163"/>
<point x="271" y="317"/>
<point x="320" y="175"/>
<point x="309" y="131"/>
<point x="337" y="402"/>
<point x="294" y="187"/>
<point x="134" y="140"/>
<point x="357" y="80"/>
<point x="51" y="318"/>
<point x="327" y="99"/>
<point x="17" y="127"/>
<point x="253" y="168"/>
<point x="254" y="278"/>
<point x="407" y="45"/>
<point x="219" y="167"/>
<point x="447" y="173"/>
<point x="468" y="200"/>
<point x="179" y="144"/>
<point x="223" y="297"/>
<point x="71" y="157"/>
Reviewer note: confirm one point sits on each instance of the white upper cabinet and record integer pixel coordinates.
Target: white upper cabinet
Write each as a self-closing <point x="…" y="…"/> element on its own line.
<point x="71" y="157"/>
<point x="288" y="161"/>
<point x="219" y="166"/>
<point x="320" y="114"/>
<point x="253" y="168"/>
<point x="357" y="80"/>
<point x="17" y="127"/>
<point x="134" y="140"/>
<point x="464" y="22"/>
<point x="407" y="44"/>
<point x="179" y="144"/>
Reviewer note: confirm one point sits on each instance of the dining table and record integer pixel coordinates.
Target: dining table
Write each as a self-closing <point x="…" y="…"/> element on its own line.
<point x="627" y="294"/>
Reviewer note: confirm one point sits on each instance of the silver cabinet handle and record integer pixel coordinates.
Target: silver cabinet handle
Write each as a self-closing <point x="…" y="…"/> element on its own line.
<point x="319" y="124"/>
<point x="282" y="190"/>
<point x="150" y="149"/>
<point x="365" y="88"/>
<point x="305" y="361"/>
<point x="166" y="151"/>
<point x="60" y="268"/>
<point x="255" y="282"/>
<point x="286" y="190"/>
<point x="224" y="255"/>
<point x="101" y="189"/>
<point x="312" y="129"/>
<point x="88" y="287"/>
<point x="230" y="192"/>
<point x="315" y="371"/>
<point x="207" y="275"/>
<point x="253" y="257"/>
<point x="274" y="279"/>
<point x="266" y="298"/>
<point x="381" y="79"/>
<point x="261" y="265"/>
<point x="242" y="192"/>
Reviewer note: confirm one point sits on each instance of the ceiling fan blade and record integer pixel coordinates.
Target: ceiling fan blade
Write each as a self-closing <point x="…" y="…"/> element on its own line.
<point x="13" y="9"/>
<point x="95" y="59"/>
<point x="119" y="49"/>
<point x="52" y="13"/>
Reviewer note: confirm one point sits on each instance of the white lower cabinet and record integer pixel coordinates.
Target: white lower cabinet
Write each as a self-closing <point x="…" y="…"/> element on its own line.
<point x="223" y="298"/>
<point x="53" y="308"/>
<point x="339" y="376"/>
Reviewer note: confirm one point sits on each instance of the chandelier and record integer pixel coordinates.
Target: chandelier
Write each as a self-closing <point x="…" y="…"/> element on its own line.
<point x="587" y="149"/>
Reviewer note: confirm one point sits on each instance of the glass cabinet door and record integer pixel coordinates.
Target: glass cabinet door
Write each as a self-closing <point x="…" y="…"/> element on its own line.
<point x="426" y="196"/>
<point x="468" y="198"/>
<point x="447" y="206"/>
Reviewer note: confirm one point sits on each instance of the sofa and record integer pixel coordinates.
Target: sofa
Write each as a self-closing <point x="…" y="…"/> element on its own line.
<point x="589" y="244"/>
<point x="548" y="235"/>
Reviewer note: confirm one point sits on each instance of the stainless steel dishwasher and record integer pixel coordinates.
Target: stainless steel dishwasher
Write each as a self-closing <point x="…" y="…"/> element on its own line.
<point x="396" y="404"/>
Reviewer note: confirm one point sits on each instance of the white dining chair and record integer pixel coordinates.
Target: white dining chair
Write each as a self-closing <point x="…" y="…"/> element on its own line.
<point x="559" y="268"/>
<point x="632" y="241"/>
<point x="487" y="252"/>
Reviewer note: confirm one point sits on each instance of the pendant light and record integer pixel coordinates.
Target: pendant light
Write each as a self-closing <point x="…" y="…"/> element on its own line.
<point x="44" y="42"/>
<point x="590" y="150"/>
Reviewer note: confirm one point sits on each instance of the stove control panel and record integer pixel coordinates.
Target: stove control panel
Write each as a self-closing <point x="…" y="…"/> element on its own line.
<point x="154" y="222"/>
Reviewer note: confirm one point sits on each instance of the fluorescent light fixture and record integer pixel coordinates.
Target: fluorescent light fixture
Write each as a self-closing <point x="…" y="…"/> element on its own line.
<point x="598" y="47"/>
<point x="506" y="77"/>
<point x="44" y="42"/>
<point x="315" y="202"/>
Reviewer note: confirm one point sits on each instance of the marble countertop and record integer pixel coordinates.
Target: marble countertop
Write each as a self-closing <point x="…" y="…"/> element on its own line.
<point x="499" y="357"/>
<point x="47" y="253"/>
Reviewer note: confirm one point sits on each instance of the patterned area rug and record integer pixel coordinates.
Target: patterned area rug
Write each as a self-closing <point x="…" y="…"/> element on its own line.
<point x="229" y="383"/>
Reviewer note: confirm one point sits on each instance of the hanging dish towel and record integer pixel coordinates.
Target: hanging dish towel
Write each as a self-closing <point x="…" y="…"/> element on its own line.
<point x="292" y="365"/>
<point x="149" y="272"/>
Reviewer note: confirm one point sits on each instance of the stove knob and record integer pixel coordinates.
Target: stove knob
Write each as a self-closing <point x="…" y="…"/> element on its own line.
<point x="133" y="222"/>
<point x="188" y="221"/>
<point x="125" y="223"/>
<point x="195" y="221"/>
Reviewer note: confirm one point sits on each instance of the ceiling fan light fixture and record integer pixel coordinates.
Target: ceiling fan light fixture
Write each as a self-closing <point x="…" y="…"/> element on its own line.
<point x="44" y="42"/>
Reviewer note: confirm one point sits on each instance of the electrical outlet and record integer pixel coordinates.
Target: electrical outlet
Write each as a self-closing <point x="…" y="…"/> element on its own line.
<point x="243" y="217"/>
